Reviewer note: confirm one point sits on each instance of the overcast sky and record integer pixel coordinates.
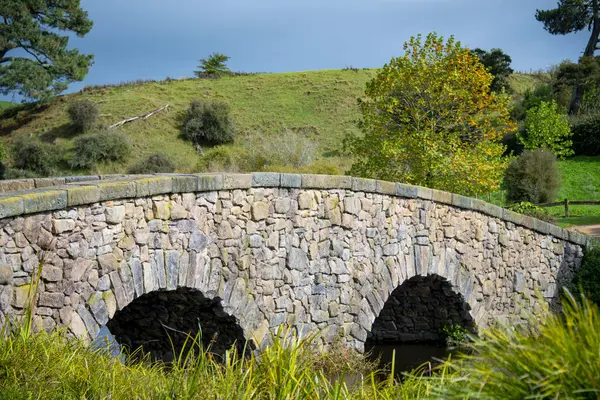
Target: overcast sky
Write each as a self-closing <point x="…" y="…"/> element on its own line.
<point x="153" y="39"/>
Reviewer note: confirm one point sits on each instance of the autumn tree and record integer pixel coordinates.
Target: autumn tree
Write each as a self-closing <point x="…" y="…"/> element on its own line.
<point x="572" y="16"/>
<point x="429" y="118"/>
<point x="34" y="59"/>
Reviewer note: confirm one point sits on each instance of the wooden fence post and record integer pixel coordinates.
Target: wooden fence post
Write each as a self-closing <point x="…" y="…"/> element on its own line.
<point x="566" y="208"/>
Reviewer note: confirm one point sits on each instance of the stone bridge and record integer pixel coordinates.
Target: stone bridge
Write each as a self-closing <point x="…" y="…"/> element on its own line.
<point x="238" y="255"/>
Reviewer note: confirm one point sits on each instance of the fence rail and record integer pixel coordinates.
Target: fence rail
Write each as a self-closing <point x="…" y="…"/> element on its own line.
<point x="567" y="203"/>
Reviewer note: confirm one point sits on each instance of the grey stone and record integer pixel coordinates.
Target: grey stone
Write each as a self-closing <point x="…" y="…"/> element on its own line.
<point x="297" y="259"/>
<point x="6" y="275"/>
<point x="198" y="241"/>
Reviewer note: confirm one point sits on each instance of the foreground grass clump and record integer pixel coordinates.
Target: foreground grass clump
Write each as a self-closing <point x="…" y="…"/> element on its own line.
<point x="559" y="358"/>
<point x="48" y="366"/>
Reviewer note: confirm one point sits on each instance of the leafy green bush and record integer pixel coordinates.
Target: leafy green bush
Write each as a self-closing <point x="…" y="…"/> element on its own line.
<point x="208" y="123"/>
<point x="533" y="211"/>
<point x="39" y="158"/>
<point x="83" y="114"/>
<point x="586" y="134"/>
<point x="454" y="335"/>
<point x="532" y="177"/>
<point x="97" y="147"/>
<point x="154" y="163"/>
<point x="546" y="127"/>
<point x="587" y="277"/>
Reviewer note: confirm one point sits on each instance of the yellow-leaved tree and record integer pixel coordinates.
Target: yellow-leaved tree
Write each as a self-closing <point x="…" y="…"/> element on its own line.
<point x="429" y="118"/>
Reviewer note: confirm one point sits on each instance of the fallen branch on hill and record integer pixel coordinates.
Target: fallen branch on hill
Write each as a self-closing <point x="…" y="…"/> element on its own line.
<point x="148" y="115"/>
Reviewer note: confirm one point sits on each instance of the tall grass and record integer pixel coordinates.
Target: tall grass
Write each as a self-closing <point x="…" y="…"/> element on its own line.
<point x="559" y="358"/>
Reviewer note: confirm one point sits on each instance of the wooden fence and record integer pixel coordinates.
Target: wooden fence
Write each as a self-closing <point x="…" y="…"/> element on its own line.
<point x="567" y="203"/>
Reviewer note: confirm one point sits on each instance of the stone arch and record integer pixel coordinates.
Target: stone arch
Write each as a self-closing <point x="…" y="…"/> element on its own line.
<point x="418" y="308"/>
<point x="171" y="277"/>
<point x="163" y="323"/>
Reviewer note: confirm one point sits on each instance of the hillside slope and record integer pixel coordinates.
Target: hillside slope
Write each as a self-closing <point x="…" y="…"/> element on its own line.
<point x="321" y="104"/>
<point x="6" y="104"/>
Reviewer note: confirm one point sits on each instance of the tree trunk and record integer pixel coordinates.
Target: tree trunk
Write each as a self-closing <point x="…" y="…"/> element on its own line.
<point x="590" y="49"/>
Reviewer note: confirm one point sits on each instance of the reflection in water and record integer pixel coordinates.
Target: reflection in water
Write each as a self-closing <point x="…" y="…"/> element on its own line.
<point x="408" y="356"/>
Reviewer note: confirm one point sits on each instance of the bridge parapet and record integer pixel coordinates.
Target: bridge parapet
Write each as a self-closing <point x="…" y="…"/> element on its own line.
<point x="27" y="196"/>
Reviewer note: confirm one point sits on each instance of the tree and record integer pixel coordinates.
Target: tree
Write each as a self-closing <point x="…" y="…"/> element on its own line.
<point x="429" y="118"/>
<point x="213" y="65"/>
<point x="34" y="60"/>
<point x="573" y="16"/>
<point x="497" y="64"/>
<point x="546" y="127"/>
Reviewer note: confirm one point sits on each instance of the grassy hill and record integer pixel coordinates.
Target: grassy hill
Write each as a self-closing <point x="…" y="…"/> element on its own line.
<point x="6" y="104"/>
<point x="321" y="104"/>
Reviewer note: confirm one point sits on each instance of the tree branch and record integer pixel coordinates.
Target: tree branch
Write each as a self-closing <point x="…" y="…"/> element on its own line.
<point x="148" y="115"/>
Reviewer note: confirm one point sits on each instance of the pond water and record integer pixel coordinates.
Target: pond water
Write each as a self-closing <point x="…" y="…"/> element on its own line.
<point x="408" y="356"/>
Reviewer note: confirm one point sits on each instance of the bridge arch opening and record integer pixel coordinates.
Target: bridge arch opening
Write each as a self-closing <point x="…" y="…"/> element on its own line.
<point x="417" y="310"/>
<point x="159" y="323"/>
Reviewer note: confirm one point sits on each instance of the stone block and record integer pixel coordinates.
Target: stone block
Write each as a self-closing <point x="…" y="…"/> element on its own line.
<point x="15" y="185"/>
<point x="237" y="181"/>
<point x="210" y="182"/>
<point x="147" y="187"/>
<point x="79" y="195"/>
<point x="115" y="214"/>
<point x="441" y="196"/>
<point x="385" y="187"/>
<point x="266" y="179"/>
<point x="541" y="226"/>
<point x="291" y="180"/>
<point x="404" y="190"/>
<point x="184" y="183"/>
<point x="63" y="225"/>
<point x="364" y="185"/>
<point x="11" y="206"/>
<point x="81" y="178"/>
<point x="6" y="275"/>
<point x="116" y="190"/>
<point x="260" y="210"/>
<point x="577" y="237"/>
<point x="46" y="182"/>
<point x="52" y="300"/>
<point x="462" y="201"/>
<point x="44" y="201"/>
<point x="326" y="181"/>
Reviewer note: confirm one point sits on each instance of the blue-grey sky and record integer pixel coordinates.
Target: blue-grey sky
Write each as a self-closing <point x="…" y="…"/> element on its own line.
<point x="153" y="39"/>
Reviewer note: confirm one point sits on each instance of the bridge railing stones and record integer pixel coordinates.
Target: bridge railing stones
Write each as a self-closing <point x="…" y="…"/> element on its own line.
<point x="29" y="196"/>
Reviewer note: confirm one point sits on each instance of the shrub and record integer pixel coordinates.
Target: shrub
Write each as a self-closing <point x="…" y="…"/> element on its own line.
<point x="533" y="211"/>
<point x="587" y="277"/>
<point x="532" y="177"/>
<point x="83" y="114"/>
<point x="586" y="134"/>
<point x="154" y="163"/>
<point x="546" y="127"/>
<point x="208" y="122"/>
<point x="102" y="146"/>
<point x="285" y="152"/>
<point x="35" y="156"/>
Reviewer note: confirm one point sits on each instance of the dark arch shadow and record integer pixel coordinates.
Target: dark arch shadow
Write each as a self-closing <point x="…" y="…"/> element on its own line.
<point x="417" y="310"/>
<point x="158" y="324"/>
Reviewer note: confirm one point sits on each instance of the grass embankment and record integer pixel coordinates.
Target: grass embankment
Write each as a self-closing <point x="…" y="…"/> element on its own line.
<point x="321" y="104"/>
<point x="6" y="104"/>
<point x="556" y="358"/>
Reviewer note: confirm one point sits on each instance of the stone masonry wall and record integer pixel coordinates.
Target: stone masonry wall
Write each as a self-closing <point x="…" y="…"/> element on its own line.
<point x="318" y="253"/>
